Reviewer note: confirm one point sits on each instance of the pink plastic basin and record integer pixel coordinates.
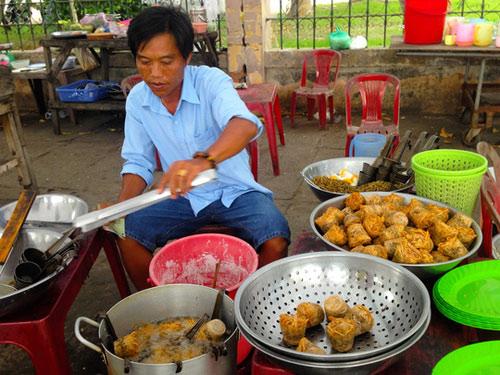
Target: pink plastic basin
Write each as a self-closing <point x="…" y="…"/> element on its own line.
<point x="192" y="260"/>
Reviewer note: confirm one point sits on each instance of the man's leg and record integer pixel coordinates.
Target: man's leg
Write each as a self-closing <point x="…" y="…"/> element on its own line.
<point x="136" y="259"/>
<point x="257" y="220"/>
<point x="273" y="249"/>
<point x="152" y="227"/>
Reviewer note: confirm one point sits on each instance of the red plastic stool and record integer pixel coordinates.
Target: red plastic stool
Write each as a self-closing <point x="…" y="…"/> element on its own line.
<point x="261" y="365"/>
<point x="40" y="331"/>
<point x="263" y="98"/>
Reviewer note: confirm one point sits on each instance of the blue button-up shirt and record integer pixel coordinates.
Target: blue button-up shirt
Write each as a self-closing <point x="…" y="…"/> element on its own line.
<point x="208" y="101"/>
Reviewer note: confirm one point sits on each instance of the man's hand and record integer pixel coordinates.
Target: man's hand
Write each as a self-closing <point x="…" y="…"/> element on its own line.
<point x="181" y="174"/>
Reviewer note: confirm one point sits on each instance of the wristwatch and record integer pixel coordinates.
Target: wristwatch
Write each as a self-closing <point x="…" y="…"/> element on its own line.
<point x="205" y="155"/>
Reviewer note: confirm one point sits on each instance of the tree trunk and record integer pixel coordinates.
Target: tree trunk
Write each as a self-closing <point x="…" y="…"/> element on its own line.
<point x="72" y="10"/>
<point x="304" y="8"/>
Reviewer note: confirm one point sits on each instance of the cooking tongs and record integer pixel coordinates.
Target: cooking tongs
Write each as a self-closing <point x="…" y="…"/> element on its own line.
<point x="368" y="173"/>
<point x="384" y="170"/>
<point x="97" y="218"/>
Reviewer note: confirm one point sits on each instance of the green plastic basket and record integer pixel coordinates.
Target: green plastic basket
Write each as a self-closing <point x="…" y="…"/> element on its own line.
<point x="449" y="176"/>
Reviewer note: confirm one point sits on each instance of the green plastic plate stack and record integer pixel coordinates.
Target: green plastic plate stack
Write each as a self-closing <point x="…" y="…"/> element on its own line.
<point x="480" y="358"/>
<point x="470" y="295"/>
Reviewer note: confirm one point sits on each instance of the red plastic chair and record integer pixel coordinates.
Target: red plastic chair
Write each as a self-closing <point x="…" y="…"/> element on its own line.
<point x="253" y="149"/>
<point x="321" y="89"/>
<point x="128" y="82"/>
<point x="490" y="198"/>
<point x="372" y="89"/>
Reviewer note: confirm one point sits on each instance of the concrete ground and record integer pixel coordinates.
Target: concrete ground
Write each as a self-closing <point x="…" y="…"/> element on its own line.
<point x="85" y="161"/>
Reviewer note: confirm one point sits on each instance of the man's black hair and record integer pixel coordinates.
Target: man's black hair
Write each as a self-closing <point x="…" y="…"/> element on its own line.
<point x="158" y="20"/>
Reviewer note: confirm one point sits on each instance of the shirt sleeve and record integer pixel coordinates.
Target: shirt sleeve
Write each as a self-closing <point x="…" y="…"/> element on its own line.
<point x="227" y="103"/>
<point x="138" y="149"/>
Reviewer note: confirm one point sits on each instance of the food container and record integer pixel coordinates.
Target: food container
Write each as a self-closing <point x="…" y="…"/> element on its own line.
<point x="465" y="35"/>
<point x="156" y="304"/>
<point x="367" y="144"/>
<point x="398" y="301"/>
<point x="423" y="271"/>
<point x="14" y="300"/>
<point x="193" y="260"/>
<point x="333" y="166"/>
<point x="483" y="34"/>
<point x="55" y="211"/>
<point x="83" y="91"/>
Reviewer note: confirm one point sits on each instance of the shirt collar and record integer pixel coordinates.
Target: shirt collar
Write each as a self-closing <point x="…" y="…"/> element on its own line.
<point x="188" y="93"/>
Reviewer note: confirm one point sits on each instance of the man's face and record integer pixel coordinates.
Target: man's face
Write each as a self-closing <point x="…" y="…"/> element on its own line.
<point x="161" y="65"/>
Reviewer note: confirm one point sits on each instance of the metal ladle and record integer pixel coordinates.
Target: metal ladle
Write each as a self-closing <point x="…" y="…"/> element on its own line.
<point x="37" y="263"/>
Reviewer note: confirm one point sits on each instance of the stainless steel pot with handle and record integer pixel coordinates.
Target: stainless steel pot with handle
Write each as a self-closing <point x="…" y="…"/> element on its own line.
<point x="159" y="303"/>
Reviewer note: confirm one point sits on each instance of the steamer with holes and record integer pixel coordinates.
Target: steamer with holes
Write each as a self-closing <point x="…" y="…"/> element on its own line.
<point x="397" y="299"/>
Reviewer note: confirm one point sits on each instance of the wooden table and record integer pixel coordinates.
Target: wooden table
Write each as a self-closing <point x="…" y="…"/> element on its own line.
<point x="101" y="50"/>
<point x="472" y="92"/>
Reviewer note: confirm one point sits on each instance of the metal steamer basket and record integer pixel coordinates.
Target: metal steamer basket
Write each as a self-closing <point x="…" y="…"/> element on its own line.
<point x="358" y="367"/>
<point x="397" y="299"/>
<point x="423" y="271"/>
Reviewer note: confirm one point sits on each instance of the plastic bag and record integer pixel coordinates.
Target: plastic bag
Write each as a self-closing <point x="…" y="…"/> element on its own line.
<point x="340" y="40"/>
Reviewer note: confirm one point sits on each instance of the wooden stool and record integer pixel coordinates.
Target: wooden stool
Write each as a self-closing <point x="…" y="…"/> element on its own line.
<point x="14" y="133"/>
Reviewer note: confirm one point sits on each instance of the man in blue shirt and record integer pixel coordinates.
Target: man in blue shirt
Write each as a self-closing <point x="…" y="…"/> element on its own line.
<point x="195" y="120"/>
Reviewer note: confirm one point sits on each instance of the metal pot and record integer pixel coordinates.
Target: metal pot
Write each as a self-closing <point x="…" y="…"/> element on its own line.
<point x="159" y="303"/>
<point x="331" y="166"/>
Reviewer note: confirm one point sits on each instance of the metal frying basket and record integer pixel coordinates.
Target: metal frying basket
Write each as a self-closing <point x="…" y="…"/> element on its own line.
<point x="397" y="299"/>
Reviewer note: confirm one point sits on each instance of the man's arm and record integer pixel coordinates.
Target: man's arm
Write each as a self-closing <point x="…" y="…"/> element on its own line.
<point x="132" y="186"/>
<point x="235" y="137"/>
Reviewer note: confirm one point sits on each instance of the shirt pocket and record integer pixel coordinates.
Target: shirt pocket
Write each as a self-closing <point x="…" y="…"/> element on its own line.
<point x="205" y="136"/>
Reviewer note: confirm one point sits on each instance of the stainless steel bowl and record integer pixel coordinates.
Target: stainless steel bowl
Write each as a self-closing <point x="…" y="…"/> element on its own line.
<point x="332" y="166"/>
<point x="423" y="271"/>
<point x="49" y="211"/>
<point x="37" y="238"/>
<point x="358" y="367"/>
<point x="398" y="300"/>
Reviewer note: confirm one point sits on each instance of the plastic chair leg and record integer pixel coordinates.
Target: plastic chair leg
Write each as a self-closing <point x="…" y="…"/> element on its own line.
<point x="293" y="106"/>
<point x="253" y="149"/>
<point x="487" y="229"/>
<point x="115" y="263"/>
<point x="43" y="341"/>
<point x="348" y="140"/>
<point x="332" y="109"/>
<point x="271" y="137"/>
<point x="310" y="108"/>
<point x="279" y="121"/>
<point x="322" y="111"/>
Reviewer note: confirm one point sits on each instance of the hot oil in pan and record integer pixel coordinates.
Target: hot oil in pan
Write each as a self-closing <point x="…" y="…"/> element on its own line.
<point x="163" y="342"/>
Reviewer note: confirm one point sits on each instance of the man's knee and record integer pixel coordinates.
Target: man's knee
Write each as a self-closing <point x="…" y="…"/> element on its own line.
<point x="273" y="249"/>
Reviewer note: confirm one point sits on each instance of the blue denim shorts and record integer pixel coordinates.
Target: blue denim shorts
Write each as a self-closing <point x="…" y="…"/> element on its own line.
<point x="252" y="216"/>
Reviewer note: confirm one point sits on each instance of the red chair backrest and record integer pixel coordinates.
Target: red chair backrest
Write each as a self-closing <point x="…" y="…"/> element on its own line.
<point x="323" y="61"/>
<point x="129" y="82"/>
<point x="372" y="88"/>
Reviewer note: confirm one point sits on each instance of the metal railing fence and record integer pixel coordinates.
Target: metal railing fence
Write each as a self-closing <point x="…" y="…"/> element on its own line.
<point x="296" y="23"/>
<point x="308" y="23"/>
